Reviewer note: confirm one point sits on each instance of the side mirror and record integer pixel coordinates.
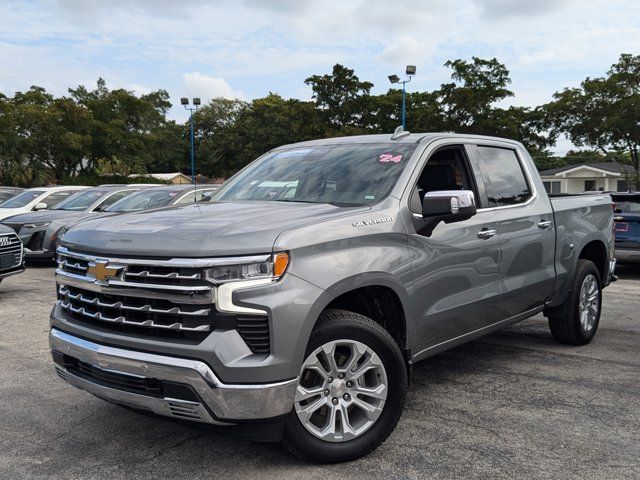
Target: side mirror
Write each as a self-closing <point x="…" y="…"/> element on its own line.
<point x="449" y="205"/>
<point x="41" y="206"/>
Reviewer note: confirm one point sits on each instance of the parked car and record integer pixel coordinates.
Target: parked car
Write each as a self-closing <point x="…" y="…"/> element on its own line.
<point x="165" y="196"/>
<point x="306" y="309"/>
<point x="39" y="230"/>
<point x="7" y="192"/>
<point x="11" y="253"/>
<point x="627" y="218"/>
<point x="34" y="199"/>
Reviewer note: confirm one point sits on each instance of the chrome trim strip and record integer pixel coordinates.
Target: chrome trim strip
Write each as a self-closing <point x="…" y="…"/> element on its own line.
<point x="226" y="401"/>
<point x="141" y="286"/>
<point x="203" y="312"/>
<point x="172" y="275"/>
<point x="173" y="262"/>
<point x="206" y="296"/>
<point x="122" y="320"/>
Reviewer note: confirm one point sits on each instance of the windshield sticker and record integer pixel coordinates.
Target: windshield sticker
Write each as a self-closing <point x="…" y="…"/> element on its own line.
<point x="369" y="197"/>
<point x="294" y="153"/>
<point x="390" y="158"/>
<point x="173" y="194"/>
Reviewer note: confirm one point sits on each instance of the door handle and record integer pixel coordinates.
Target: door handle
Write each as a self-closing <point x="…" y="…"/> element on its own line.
<point x="544" y="224"/>
<point x="485" y="233"/>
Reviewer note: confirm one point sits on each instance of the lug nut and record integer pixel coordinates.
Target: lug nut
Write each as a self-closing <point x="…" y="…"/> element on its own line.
<point x="326" y="393"/>
<point x="341" y="376"/>
<point x="349" y="384"/>
<point x="330" y="379"/>
<point x="346" y="396"/>
<point x="334" y="400"/>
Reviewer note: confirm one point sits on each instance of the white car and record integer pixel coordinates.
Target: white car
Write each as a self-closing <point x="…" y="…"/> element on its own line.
<point x="36" y="199"/>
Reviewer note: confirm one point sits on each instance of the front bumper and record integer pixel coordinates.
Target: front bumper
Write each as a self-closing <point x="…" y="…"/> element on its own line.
<point x="13" y="271"/>
<point x="216" y="402"/>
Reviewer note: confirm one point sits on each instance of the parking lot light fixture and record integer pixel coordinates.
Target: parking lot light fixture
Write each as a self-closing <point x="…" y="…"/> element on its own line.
<point x="196" y="102"/>
<point x="410" y="70"/>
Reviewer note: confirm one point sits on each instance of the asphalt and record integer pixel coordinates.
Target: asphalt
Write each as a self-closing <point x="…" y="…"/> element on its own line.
<point x="513" y="405"/>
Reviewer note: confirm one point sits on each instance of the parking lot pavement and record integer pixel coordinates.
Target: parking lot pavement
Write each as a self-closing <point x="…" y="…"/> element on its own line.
<point x="514" y="404"/>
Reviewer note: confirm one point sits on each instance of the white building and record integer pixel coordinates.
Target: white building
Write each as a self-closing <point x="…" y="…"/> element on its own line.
<point x="605" y="176"/>
<point x="176" y="177"/>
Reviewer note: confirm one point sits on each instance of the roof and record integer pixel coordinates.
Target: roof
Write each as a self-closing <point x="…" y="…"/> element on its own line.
<point x="386" y="138"/>
<point x="159" y="176"/>
<point x="611" y="167"/>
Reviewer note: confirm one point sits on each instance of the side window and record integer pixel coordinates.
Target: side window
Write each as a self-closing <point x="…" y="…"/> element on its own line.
<point x="503" y="176"/>
<point x="56" y="197"/>
<point x="188" y="198"/>
<point x="446" y="169"/>
<point x="110" y="200"/>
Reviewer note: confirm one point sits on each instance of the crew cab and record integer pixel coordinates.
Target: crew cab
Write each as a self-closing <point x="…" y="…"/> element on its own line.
<point x="304" y="306"/>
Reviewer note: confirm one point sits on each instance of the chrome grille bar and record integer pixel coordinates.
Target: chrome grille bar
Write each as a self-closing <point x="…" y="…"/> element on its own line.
<point x="172" y="275"/>
<point x="204" y="312"/>
<point x="123" y="320"/>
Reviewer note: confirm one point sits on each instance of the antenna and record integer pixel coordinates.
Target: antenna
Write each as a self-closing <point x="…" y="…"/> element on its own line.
<point x="399" y="133"/>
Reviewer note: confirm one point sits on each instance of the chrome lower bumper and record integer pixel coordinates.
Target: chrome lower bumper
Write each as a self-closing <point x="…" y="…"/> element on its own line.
<point x="222" y="404"/>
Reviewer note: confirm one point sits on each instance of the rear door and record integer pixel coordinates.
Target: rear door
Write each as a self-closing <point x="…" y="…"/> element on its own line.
<point x="456" y="265"/>
<point x="526" y="228"/>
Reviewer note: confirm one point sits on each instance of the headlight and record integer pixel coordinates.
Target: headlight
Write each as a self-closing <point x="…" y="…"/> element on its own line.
<point x="272" y="268"/>
<point x="37" y="225"/>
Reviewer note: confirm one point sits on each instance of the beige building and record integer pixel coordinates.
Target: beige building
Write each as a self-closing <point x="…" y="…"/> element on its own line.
<point x="585" y="177"/>
<point x="175" y="178"/>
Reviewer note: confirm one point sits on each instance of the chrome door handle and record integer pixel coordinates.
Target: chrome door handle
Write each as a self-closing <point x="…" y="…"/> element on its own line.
<point x="544" y="224"/>
<point x="484" y="234"/>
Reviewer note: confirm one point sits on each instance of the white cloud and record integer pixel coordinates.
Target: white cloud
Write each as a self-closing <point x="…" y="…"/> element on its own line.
<point x="405" y="49"/>
<point x="198" y="85"/>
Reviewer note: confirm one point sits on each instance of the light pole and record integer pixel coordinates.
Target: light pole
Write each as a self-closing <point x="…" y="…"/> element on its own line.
<point x="410" y="71"/>
<point x="196" y="102"/>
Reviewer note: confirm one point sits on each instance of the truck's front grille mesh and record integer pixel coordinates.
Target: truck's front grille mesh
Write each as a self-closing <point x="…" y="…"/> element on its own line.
<point x="159" y="318"/>
<point x="10" y="251"/>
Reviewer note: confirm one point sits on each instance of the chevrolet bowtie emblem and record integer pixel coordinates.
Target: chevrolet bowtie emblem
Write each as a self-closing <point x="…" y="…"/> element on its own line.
<point x="101" y="271"/>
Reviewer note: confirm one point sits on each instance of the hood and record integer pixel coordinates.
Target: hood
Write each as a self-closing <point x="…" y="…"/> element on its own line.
<point x="214" y="229"/>
<point x="4" y="229"/>
<point x="8" y="212"/>
<point x="44" y="216"/>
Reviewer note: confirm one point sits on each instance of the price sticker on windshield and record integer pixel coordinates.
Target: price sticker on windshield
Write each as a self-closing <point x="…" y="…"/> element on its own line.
<point x="390" y="158"/>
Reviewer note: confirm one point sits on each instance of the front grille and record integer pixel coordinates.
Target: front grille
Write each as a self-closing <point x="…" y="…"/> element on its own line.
<point x="36" y="241"/>
<point x="10" y="251"/>
<point x="159" y="319"/>
<point x="150" y="301"/>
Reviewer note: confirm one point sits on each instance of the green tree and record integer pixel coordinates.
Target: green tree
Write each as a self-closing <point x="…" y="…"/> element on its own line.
<point x="341" y="97"/>
<point x="603" y="113"/>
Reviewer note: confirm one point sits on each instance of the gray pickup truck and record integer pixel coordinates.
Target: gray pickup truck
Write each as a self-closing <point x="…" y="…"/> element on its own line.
<point x="300" y="297"/>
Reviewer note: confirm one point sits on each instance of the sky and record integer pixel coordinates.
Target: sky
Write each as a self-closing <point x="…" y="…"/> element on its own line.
<point x="248" y="48"/>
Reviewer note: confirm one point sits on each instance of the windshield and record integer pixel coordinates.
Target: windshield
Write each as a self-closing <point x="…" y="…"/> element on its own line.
<point x="342" y="175"/>
<point x="22" y="199"/>
<point x="627" y="204"/>
<point x="144" y="200"/>
<point x="80" y="201"/>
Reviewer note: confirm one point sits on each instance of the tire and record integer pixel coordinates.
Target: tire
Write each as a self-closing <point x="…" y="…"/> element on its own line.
<point x="348" y="333"/>
<point x="570" y="327"/>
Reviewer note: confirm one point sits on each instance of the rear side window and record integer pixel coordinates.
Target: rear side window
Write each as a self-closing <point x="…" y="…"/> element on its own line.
<point x="503" y="177"/>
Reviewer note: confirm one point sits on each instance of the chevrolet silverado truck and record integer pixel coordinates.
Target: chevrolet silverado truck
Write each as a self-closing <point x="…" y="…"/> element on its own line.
<point x="302" y="294"/>
<point x="11" y="253"/>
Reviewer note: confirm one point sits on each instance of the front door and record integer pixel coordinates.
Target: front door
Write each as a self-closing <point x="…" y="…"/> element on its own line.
<point x="456" y="265"/>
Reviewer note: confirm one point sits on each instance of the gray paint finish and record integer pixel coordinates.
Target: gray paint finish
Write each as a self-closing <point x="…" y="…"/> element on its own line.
<point x="452" y="285"/>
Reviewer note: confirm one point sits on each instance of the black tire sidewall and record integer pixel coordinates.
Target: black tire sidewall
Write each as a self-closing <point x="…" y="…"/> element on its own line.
<point x="353" y="327"/>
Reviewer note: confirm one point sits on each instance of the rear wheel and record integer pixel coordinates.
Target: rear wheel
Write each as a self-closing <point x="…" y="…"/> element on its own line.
<point x="579" y="323"/>
<point x="351" y="390"/>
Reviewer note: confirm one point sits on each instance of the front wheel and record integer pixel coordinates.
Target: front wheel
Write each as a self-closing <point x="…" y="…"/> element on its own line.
<point x="351" y="391"/>
<point x="579" y="323"/>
